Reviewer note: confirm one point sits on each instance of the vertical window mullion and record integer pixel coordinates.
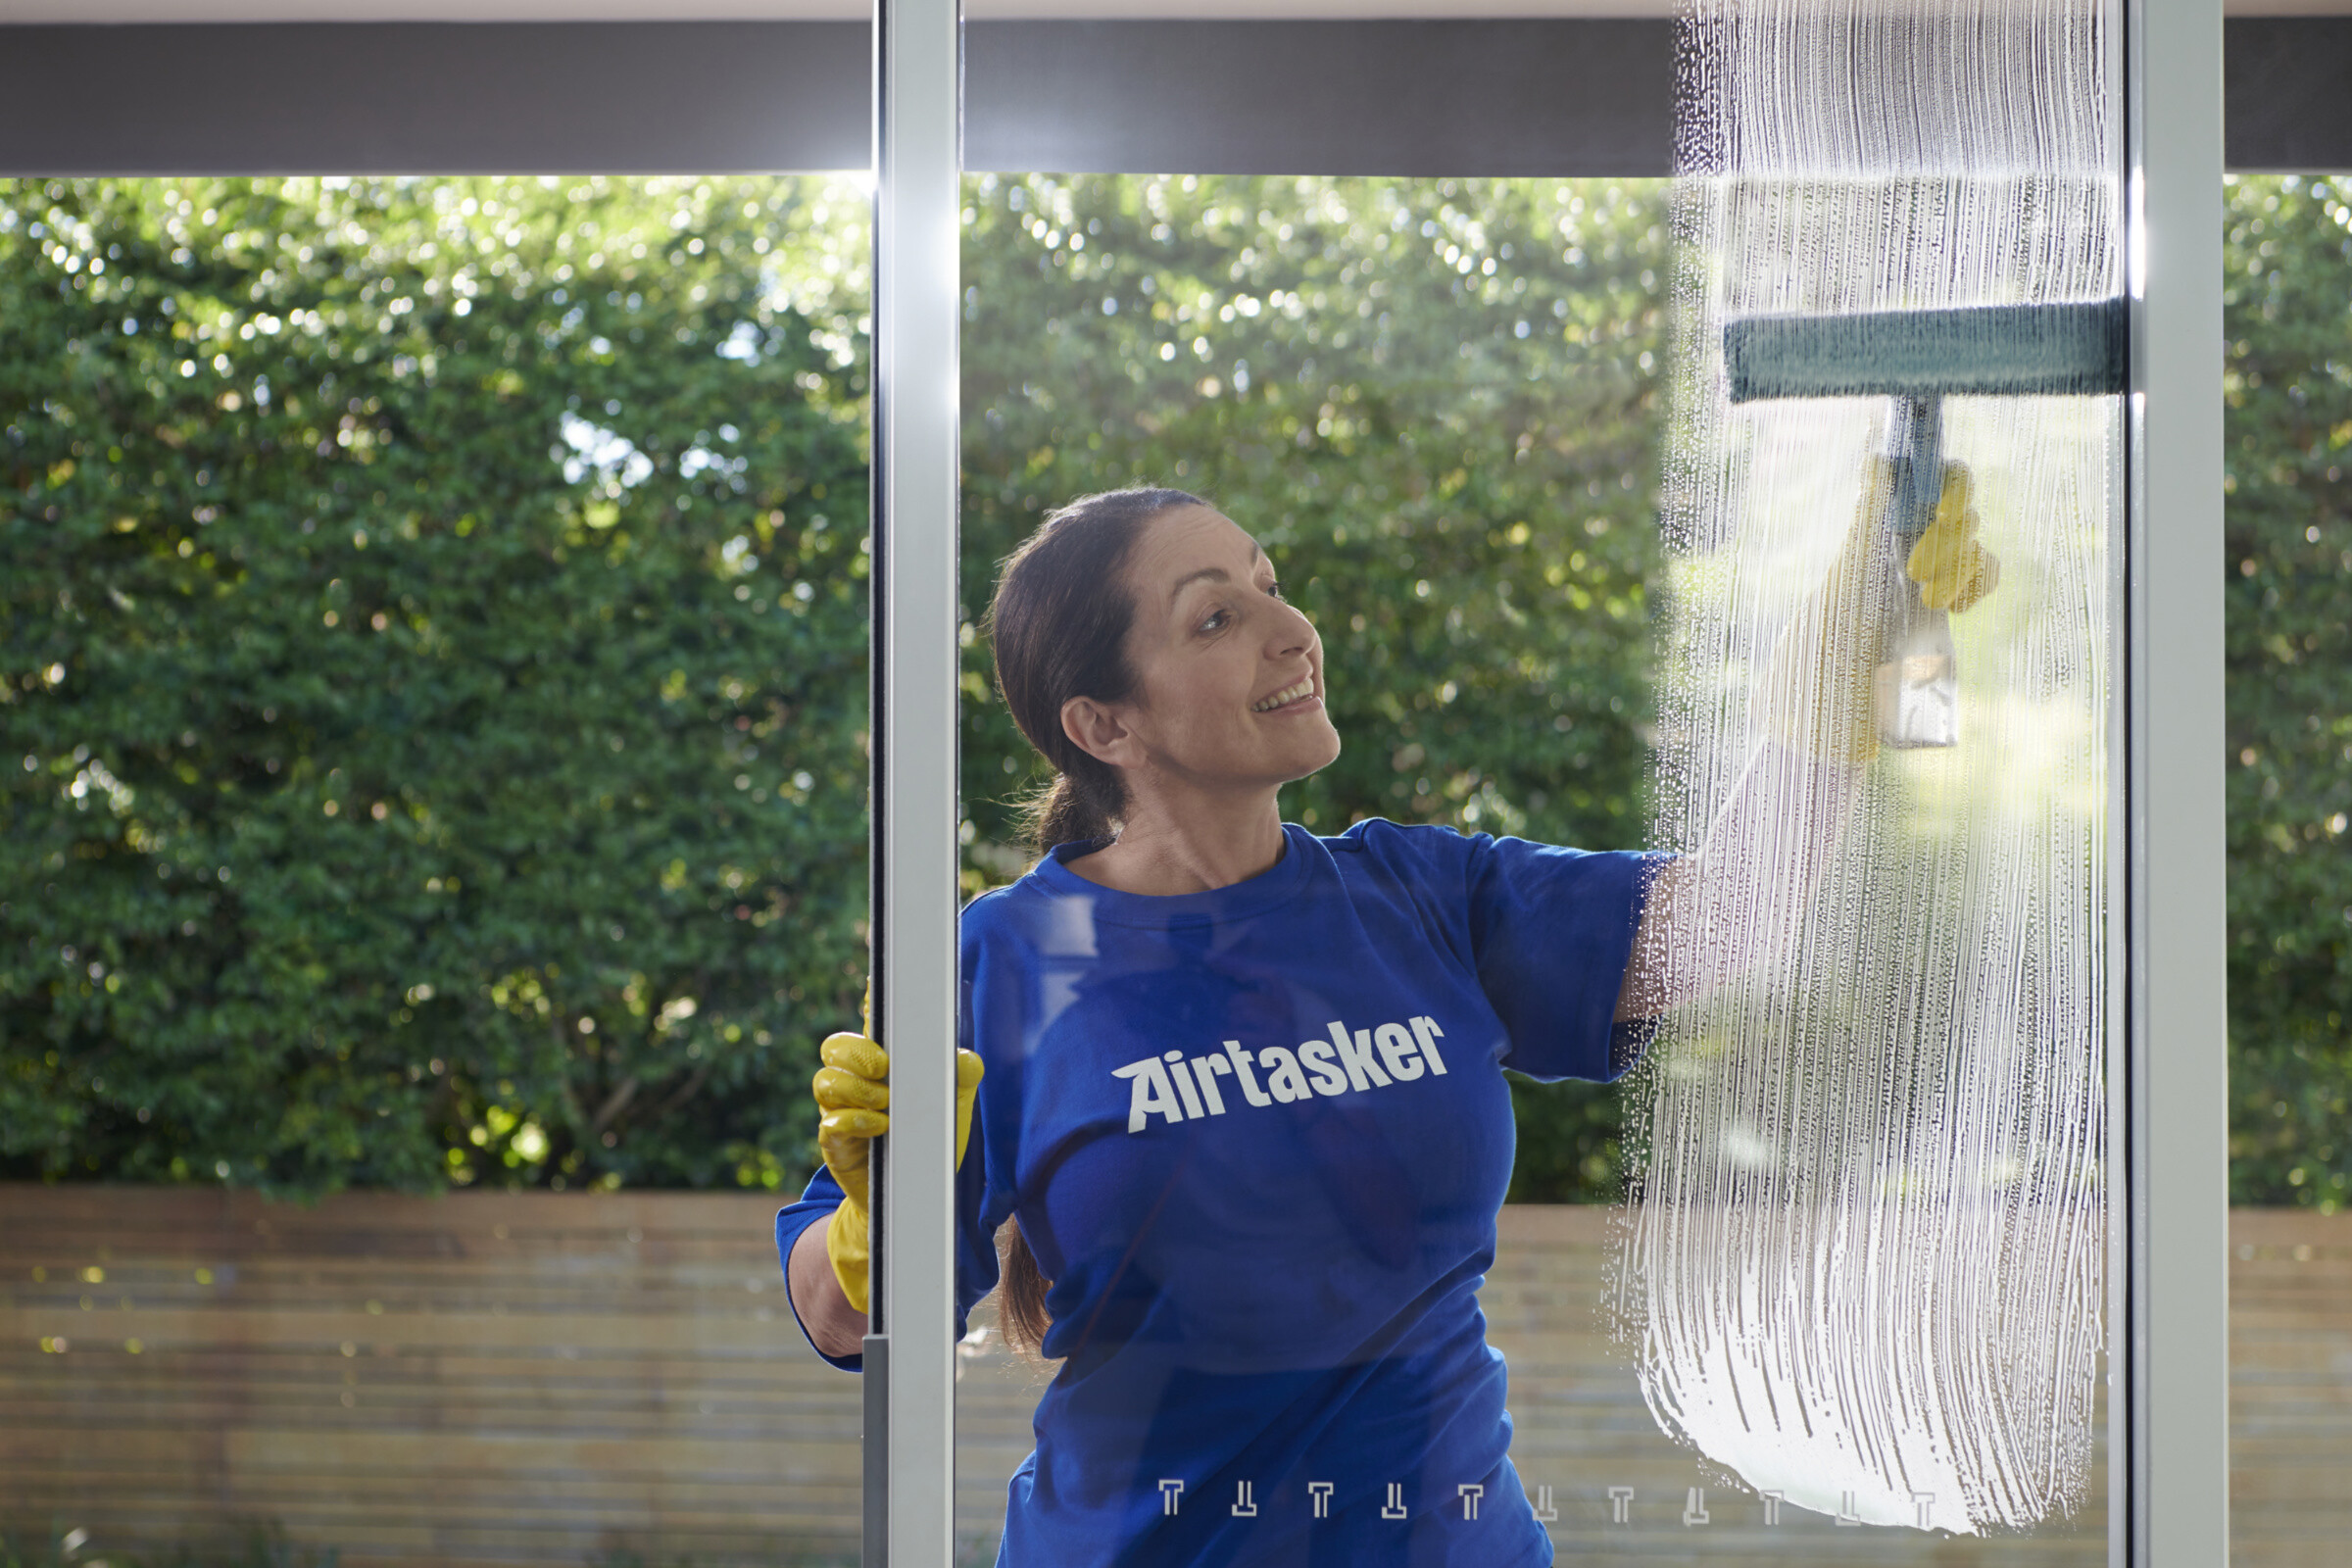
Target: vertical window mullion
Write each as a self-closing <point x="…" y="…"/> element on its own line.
<point x="919" y="81"/>
<point x="2177" y="1321"/>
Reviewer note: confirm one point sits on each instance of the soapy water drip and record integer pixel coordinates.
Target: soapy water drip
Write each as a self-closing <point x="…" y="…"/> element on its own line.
<point x="1864" y="1259"/>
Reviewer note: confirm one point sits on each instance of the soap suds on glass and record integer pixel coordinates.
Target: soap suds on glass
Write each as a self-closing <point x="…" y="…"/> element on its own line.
<point x="1863" y="1260"/>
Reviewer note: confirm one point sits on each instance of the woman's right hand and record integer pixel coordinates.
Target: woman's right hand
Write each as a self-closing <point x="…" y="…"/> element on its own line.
<point x="852" y="1095"/>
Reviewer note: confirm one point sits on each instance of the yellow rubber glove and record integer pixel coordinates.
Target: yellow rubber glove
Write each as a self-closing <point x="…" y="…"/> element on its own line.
<point x="852" y="1091"/>
<point x="1953" y="571"/>
<point x="1819" y="688"/>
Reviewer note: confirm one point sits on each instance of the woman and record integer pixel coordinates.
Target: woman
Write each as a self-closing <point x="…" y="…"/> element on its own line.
<point x="1242" y="1104"/>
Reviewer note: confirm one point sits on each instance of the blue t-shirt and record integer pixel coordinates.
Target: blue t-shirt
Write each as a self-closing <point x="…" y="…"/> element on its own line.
<point x="1257" y="1138"/>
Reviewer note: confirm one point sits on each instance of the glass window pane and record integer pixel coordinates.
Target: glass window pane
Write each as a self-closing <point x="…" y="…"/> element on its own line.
<point x="1390" y="1180"/>
<point x="434" y="710"/>
<point x="1440" y="407"/>
<point x="2287" y="563"/>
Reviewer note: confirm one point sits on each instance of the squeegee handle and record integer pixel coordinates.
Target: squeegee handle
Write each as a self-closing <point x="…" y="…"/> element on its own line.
<point x="1916" y="449"/>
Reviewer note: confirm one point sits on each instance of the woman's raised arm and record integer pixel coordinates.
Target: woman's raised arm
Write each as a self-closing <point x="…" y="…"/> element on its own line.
<point x="1741" y="898"/>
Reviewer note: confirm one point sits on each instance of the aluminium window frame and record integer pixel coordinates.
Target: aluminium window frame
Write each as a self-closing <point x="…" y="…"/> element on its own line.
<point x="2169" y="1215"/>
<point x="2170" y="1474"/>
<point x="2169" y="1337"/>
<point x="1469" y="96"/>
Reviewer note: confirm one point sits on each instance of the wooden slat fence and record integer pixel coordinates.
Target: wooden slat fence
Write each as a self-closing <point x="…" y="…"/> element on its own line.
<point x="2290" y="1389"/>
<point x="492" y="1379"/>
<point x="482" y="1378"/>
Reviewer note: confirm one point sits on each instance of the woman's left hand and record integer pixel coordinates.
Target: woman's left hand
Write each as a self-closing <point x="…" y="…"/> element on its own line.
<point x="1953" y="571"/>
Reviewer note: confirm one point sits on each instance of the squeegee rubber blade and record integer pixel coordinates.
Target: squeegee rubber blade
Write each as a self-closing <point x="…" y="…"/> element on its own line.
<point x="1986" y="350"/>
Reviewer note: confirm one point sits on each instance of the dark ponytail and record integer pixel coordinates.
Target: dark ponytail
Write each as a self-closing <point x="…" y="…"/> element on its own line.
<point x="1059" y="629"/>
<point x="1022" y="1288"/>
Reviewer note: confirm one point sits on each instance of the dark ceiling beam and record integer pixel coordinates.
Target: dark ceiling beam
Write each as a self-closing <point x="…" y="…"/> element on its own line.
<point x="443" y="98"/>
<point x="1507" y="97"/>
<point x="1411" y="98"/>
<point x="2287" y="83"/>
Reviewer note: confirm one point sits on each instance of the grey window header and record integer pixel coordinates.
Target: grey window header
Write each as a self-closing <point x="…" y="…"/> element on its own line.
<point x="1558" y="96"/>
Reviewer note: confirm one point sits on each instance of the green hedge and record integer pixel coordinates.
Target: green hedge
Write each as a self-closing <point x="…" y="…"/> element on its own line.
<point x="435" y="642"/>
<point x="2288" y="565"/>
<point x="410" y="778"/>
<point x="433" y="624"/>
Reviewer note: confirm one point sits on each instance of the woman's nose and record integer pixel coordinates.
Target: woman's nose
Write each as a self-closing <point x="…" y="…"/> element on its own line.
<point x="1292" y="632"/>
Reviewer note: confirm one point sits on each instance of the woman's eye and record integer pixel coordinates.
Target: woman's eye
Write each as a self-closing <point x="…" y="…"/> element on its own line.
<point x="1216" y="621"/>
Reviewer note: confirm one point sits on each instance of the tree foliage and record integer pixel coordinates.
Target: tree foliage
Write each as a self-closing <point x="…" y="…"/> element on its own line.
<point x="434" y="639"/>
<point x="431" y="624"/>
<point x="2287" y="391"/>
<point x="432" y="682"/>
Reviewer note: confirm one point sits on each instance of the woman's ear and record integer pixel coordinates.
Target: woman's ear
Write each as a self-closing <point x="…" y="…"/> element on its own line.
<point x="1098" y="730"/>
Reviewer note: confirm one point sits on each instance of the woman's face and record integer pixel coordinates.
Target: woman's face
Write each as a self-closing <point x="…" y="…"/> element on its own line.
<point x="1229" y="675"/>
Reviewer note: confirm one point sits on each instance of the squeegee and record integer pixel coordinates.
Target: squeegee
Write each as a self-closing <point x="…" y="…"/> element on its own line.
<point x="1920" y="358"/>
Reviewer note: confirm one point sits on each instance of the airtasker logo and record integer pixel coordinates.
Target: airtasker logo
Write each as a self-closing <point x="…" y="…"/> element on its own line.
<point x="1179" y="1090"/>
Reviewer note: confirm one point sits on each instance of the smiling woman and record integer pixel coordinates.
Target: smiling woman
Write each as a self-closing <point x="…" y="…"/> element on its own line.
<point x="1258" y="1273"/>
<point x="1224" y="708"/>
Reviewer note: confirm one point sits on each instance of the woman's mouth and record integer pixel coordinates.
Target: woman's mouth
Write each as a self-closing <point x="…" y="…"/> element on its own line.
<point x="1285" y="697"/>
